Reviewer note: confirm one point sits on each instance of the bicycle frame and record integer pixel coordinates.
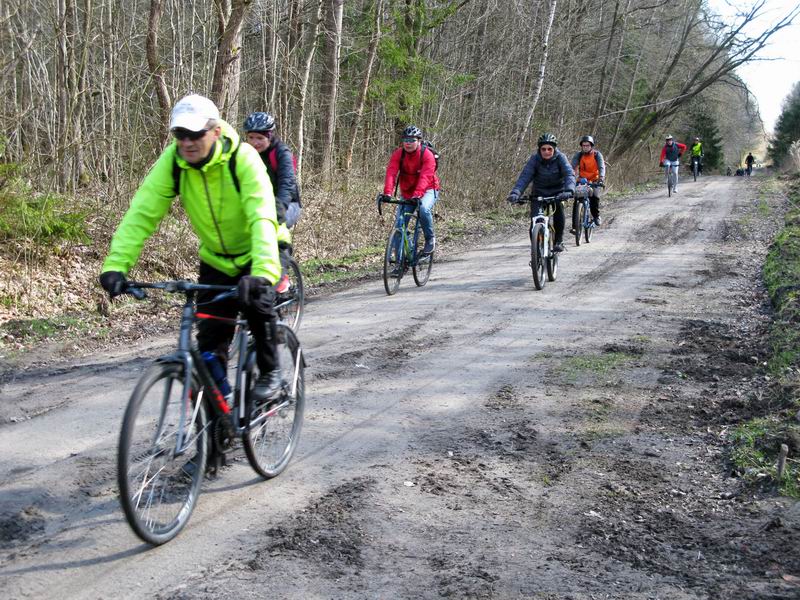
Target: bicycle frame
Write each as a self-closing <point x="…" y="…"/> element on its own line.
<point x="234" y="418"/>
<point x="408" y="250"/>
<point x="544" y="216"/>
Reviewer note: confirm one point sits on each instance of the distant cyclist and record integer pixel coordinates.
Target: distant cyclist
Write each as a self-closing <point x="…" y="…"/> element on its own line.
<point x="749" y="162"/>
<point x="413" y="167"/>
<point x="670" y="156"/>
<point x="697" y="154"/>
<point x="549" y="172"/>
<point x="261" y="133"/>
<point x="588" y="162"/>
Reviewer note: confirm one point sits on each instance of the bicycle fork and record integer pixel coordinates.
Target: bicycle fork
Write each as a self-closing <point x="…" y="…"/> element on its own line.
<point x="541" y="219"/>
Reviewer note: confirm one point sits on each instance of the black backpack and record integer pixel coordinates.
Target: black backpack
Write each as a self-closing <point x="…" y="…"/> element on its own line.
<point x="426" y="145"/>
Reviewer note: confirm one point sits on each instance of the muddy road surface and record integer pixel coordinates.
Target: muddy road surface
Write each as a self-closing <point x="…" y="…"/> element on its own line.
<point x="471" y="439"/>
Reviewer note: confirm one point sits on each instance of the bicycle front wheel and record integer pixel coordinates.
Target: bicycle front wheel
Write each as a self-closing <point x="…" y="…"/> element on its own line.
<point x="290" y="305"/>
<point x="162" y="455"/>
<point x="274" y="430"/>
<point x="423" y="264"/>
<point x="393" y="262"/>
<point x="578" y="211"/>
<point x="537" y="256"/>
<point x="589" y="228"/>
<point x="552" y="260"/>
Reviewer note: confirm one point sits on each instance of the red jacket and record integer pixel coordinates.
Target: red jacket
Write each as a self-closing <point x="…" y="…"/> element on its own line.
<point x="681" y="150"/>
<point x="417" y="176"/>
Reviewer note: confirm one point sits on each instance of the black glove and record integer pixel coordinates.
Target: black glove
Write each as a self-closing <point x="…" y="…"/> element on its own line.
<point x="416" y="199"/>
<point x="601" y="182"/>
<point x="513" y="198"/>
<point x="564" y="196"/>
<point x="254" y="289"/>
<point x="280" y="211"/>
<point x="113" y="282"/>
<point x="384" y="197"/>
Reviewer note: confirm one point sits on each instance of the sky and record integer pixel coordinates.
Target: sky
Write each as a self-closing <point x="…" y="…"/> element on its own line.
<point x="770" y="81"/>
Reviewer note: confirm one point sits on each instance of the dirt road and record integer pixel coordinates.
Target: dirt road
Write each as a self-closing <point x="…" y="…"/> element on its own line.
<point x="471" y="439"/>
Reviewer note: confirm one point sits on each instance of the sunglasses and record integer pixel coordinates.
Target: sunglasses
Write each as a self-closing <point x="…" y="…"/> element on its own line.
<point x="409" y="140"/>
<point x="187" y="134"/>
<point x="547" y="149"/>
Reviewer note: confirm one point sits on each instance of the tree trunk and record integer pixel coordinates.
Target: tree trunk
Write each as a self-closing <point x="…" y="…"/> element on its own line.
<point x="153" y="62"/>
<point x="228" y="64"/>
<point x="330" y="84"/>
<point x="362" y="96"/>
<point x="303" y="91"/>
<point x="539" y="81"/>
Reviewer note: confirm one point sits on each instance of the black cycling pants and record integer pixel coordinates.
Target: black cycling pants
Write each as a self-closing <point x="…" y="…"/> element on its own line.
<point x="215" y="336"/>
<point x="558" y="218"/>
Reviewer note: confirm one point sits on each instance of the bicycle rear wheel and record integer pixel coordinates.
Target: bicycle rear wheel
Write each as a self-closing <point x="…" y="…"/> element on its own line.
<point x="393" y="262"/>
<point x="422" y="269"/>
<point x="290" y="305"/>
<point x="537" y="256"/>
<point x="577" y="220"/>
<point x="274" y="430"/>
<point x="159" y="483"/>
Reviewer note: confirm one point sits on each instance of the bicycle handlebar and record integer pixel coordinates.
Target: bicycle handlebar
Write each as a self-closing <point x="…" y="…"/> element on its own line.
<point x="544" y="199"/>
<point x="380" y="200"/>
<point x="137" y="288"/>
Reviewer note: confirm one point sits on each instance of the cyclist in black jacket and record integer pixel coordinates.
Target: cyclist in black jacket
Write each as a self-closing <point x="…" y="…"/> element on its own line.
<point x="261" y="133"/>
<point x="549" y="171"/>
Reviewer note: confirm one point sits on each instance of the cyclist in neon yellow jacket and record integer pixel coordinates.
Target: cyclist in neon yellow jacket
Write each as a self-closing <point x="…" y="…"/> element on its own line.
<point x="697" y="154"/>
<point x="228" y="198"/>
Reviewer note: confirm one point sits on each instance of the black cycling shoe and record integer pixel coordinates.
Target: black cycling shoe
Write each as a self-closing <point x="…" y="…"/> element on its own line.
<point x="267" y="386"/>
<point x="558" y="247"/>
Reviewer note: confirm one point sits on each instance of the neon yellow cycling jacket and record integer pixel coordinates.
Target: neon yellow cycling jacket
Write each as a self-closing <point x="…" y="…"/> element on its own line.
<point x="235" y="228"/>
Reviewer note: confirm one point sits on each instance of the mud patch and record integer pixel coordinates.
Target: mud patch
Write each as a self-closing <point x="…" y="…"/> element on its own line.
<point x="506" y="398"/>
<point x="328" y="531"/>
<point x="21" y="526"/>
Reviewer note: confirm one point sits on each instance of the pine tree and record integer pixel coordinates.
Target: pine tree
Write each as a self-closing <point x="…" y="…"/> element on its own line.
<point x="787" y="129"/>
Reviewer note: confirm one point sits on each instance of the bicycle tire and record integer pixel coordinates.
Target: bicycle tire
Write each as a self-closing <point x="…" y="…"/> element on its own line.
<point x="292" y="314"/>
<point x="695" y="170"/>
<point x="577" y="220"/>
<point x="537" y="256"/>
<point x="159" y="487"/>
<point x="392" y="258"/>
<point x="552" y="260"/>
<point x="423" y="264"/>
<point x="271" y="438"/>
<point x="588" y="229"/>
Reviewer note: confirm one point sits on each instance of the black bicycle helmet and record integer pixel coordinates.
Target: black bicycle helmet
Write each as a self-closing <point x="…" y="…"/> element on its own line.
<point x="587" y="138"/>
<point x="412" y="131"/>
<point x="547" y="138"/>
<point x="259" y="121"/>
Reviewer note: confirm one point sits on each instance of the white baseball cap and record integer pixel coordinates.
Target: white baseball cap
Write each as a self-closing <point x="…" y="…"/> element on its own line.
<point x="193" y="112"/>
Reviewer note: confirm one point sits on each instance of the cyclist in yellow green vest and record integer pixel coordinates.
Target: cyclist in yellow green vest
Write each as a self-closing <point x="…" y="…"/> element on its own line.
<point x="697" y="154"/>
<point x="228" y="198"/>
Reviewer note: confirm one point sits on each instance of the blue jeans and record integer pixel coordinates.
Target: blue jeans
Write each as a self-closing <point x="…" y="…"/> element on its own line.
<point x="425" y="213"/>
<point x="674" y="163"/>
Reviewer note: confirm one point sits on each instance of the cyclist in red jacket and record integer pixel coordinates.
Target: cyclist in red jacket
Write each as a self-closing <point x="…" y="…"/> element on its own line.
<point x="415" y="166"/>
<point x="670" y="156"/>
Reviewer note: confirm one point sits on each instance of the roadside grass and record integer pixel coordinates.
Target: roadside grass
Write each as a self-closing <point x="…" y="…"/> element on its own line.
<point x="756" y="443"/>
<point x="597" y="366"/>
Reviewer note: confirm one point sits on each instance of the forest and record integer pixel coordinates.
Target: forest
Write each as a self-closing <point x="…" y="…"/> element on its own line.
<point x="88" y="86"/>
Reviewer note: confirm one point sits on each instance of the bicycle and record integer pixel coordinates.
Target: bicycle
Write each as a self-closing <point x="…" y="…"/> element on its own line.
<point x="582" y="221"/>
<point x="542" y="235"/>
<point x="672" y="179"/>
<point x="178" y="420"/>
<point x="404" y="251"/>
<point x="695" y="167"/>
